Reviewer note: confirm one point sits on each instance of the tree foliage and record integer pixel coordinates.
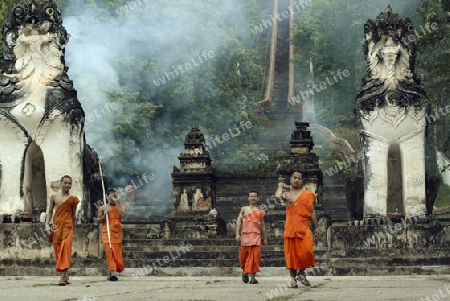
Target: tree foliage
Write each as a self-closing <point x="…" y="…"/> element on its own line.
<point x="330" y="32"/>
<point x="435" y="65"/>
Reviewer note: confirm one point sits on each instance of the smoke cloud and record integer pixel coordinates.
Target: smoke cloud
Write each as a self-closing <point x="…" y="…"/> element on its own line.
<point x="105" y="42"/>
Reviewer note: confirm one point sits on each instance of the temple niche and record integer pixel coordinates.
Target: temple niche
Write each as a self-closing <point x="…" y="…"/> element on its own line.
<point x="390" y="110"/>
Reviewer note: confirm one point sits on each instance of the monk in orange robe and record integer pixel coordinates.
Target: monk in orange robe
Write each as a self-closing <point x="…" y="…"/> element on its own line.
<point x="65" y="206"/>
<point x="298" y="240"/>
<point x="252" y="220"/>
<point x="113" y="243"/>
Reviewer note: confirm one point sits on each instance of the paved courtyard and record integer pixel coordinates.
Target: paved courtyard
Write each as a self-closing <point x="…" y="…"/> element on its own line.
<point x="202" y="288"/>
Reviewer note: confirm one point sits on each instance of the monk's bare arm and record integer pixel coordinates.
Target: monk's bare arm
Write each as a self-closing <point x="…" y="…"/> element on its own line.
<point x="238" y="225"/>
<point x="263" y="231"/>
<point x="314" y="219"/>
<point x="279" y="192"/>
<point x="51" y="206"/>
<point x="100" y="215"/>
<point x="315" y="223"/>
<point x="74" y="213"/>
<point x="283" y="193"/>
<point x="122" y="211"/>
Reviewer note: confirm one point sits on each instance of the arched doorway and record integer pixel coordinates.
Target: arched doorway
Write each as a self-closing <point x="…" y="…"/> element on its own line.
<point x="395" y="180"/>
<point x="34" y="187"/>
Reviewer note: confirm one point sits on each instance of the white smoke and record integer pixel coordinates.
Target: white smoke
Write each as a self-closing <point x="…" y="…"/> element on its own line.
<point x="159" y="30"/>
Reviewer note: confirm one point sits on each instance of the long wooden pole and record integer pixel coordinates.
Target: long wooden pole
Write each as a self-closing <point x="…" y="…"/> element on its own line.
<point x="104" y="201"/>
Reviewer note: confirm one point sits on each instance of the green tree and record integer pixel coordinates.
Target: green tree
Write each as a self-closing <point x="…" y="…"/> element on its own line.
<point x="155" y="116"/>
<point x="435" y="65"/>
<point x="330" y="32"/>
<point x="4" y="5"/>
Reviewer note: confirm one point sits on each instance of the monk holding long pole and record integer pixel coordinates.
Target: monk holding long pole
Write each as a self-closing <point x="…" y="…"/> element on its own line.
<point x="65" y="206"/>
<point x="110" y="216"/>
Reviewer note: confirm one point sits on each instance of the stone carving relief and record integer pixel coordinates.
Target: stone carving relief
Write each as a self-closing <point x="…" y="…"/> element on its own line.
<point x="377" y="181"/>
<point x="184" y="201"/>
<point x="415" y="178"/>
<point x="176" y="196"/>
<point x="198" y="199"/>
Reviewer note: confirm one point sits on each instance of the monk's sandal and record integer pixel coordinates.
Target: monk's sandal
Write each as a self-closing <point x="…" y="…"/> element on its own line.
<point x="303" y="280"/>
<point x="294" y="283"/>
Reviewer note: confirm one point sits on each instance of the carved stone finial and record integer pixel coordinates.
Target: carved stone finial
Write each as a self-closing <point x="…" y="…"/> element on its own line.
<point x="388" y="9"/>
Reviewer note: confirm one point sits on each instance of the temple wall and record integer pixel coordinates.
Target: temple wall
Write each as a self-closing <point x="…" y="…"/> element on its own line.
<point x="29" y="241"/>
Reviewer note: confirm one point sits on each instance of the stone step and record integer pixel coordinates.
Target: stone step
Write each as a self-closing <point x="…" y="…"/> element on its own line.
<point x="212" y="249"/>
<point x="418" y="253"/>
<point x="196" y="254"/>
<point x="331" y="188"/>
<point x="225" y="271"/>
<point x="196" y="242"/>
<point x="182" y="262"/>
<point x="387" y="270"/>
<point x="391" y="262"/>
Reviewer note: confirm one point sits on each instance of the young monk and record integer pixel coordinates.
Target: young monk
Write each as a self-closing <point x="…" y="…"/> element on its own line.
<point x="115" y="213"/>
<point x="252" y="220"/>
<point x="298" y="242"/>
<point x="65" y="206"/>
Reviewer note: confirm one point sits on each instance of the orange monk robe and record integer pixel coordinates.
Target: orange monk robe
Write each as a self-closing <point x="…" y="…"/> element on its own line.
<point x="298" y="242"/>
<point x="250" y="251"/>
<point x="63" y="235"/>
<point x="114" y="254"/>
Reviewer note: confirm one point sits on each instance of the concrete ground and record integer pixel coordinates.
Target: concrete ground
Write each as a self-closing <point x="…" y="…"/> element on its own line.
<point x="202" y="288"/>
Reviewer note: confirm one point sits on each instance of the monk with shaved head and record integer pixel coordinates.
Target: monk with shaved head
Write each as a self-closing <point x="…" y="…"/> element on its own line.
<point x="249" y="229"/>
<point x="65" y="206"/>
<point x="298" y="240"/>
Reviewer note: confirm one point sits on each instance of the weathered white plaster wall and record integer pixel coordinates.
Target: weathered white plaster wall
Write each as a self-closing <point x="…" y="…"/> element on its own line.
<point x="12" y="149"/>
<point x="63" y="154"/>
<point x="381" y="130"/>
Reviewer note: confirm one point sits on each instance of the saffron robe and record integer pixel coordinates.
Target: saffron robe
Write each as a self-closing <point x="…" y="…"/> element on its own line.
<point x="298" y="242"/>
<point x="114" y="256"/>
<point x="250" y="251"/>
<point x="63" y="235"/>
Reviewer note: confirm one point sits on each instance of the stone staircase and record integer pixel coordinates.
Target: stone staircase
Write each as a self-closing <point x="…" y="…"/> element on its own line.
<point x="155" y="256"/>
<point x="334" y="199"/>
<point x="232" y="194"/>
<point x="281" y="76"/>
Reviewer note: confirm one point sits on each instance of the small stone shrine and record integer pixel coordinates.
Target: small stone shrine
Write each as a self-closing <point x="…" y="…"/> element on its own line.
<point x="194" y="186"/>
<point x="302" y="159"/>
